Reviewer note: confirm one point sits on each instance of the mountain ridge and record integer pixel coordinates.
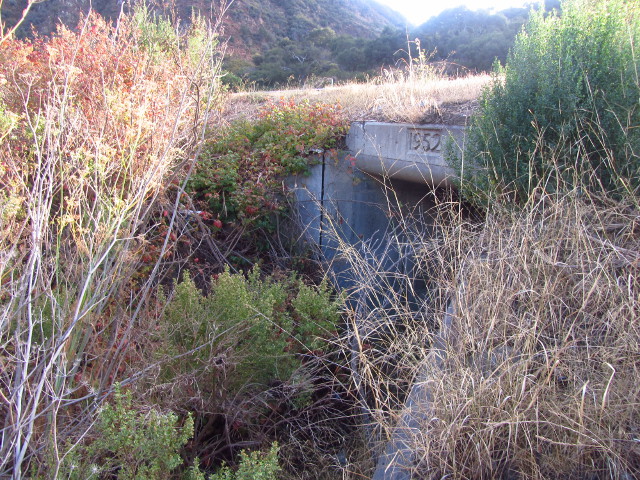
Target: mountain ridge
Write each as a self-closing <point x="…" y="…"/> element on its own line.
<point x="248" y="24"/>
<point x="253" y="26"/>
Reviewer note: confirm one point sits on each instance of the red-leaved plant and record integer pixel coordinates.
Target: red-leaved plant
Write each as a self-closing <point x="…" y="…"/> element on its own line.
<point x="93" y="122"/>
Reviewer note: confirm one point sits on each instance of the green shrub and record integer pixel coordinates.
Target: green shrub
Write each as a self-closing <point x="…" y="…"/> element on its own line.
<point x="261" y="324"/>
<point x="253" y="466"/>
<point x="565" y="107"/>
<point x="254" y="308"/>
<point x="129" y="444"/>
<point x="316" y="314"/>
<point x="242" y="356"/>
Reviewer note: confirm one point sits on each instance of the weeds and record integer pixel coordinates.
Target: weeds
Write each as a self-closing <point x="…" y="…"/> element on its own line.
<point x="393" y="96"/>
<point x="539" y="364"/>
<point x="239" y="179"/>
<point x="94" y="124"/>
<point x="524" y="355"/>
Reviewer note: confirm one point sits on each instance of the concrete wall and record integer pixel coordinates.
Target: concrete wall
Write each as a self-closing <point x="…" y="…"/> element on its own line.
<point x="386" y="165"/>
<point x="405" y="151"/>
<point x="339" y="203"/>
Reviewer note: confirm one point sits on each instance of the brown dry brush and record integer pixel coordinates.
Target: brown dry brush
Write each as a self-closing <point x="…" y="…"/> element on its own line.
<point x="540" y="366"/>
<point x="389" y="317"/>
<point x="536" y="369"/>
<point x="94" y="124"/>
<point x="429" y="96"/>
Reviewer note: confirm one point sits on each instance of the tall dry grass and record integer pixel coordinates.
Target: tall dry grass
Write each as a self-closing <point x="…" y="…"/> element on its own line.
<point x="94" y="125"/>
<point x="540" y="364"/>
<point x="524" y="356"/>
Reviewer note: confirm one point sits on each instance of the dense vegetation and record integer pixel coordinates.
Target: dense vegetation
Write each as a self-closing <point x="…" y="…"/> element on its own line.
<point x="531" y="371"/>
<point x="565" y="107"/>
<point x="133" y="345"/>
<point x="276" y="143"/>
<point x="114" y="365"/>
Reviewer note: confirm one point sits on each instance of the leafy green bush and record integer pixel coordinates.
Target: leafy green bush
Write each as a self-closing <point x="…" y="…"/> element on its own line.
<point x="253" y="466"/>
<point x="258" y="325"/>
<point x="241" y="357"/>
<point x="137" y="445"/>
<point x="128" y="444"/>
<point x="239" y="179"/>
<point x="315" y="314"/>
<point x="565" y="107"/>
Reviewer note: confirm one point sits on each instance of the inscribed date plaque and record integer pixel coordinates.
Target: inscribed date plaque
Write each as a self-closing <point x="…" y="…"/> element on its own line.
<point x="422" y="141"/>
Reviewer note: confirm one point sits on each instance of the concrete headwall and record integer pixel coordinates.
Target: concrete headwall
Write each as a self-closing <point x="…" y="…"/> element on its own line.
<point x="405" y="151"/>
<point x="355" y="196"/>
<point x="340" y="204"/>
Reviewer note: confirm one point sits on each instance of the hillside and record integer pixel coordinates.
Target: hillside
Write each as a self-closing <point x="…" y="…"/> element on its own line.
<point x="462" y="40"/>
<point x="282" y="42"/>
<point x="253" y="26"/>
<point x="268" y="41"/>
<point x="250" y="25"/>
<point x="45" y="15"/>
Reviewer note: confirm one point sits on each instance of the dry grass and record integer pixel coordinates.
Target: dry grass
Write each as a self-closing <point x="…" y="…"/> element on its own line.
<point x="535" y="371"/>
<point x="391" y="98"/>
<point x="541" y="362"/>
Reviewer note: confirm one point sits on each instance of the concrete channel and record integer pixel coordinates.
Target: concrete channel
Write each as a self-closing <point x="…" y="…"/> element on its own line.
<point x="352" y="201"/>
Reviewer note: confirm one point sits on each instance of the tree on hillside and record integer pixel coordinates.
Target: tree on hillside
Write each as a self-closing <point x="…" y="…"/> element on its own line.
<point x="298" y="59"/>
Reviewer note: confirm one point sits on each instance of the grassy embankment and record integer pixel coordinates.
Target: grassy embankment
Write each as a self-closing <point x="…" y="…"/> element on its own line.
<point x="425" y="97"/>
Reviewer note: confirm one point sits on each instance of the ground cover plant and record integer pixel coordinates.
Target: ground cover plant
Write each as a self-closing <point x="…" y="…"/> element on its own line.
<point x="239" y="176"/>
<point x="238" y="186"/>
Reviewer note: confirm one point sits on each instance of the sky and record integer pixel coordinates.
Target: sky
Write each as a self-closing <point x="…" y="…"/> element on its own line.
<point x="419" y="11"/>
